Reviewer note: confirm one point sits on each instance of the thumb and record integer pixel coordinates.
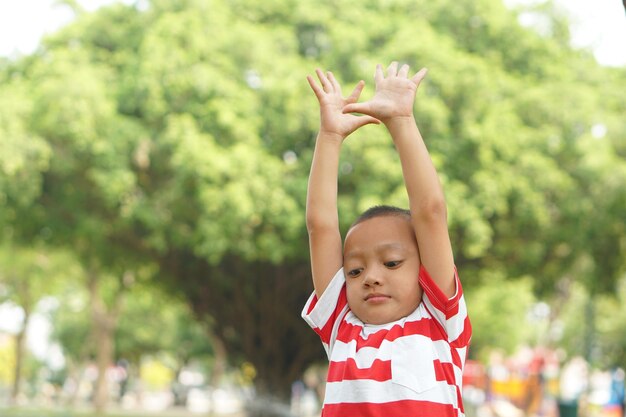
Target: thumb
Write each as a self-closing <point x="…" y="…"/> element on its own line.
<point x="419" y="76"/>
<point x="363" y="108"/>
<point x="365" y="120"/>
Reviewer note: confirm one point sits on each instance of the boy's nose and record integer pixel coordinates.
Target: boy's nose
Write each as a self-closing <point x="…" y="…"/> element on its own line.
<point x="371" y="278"/>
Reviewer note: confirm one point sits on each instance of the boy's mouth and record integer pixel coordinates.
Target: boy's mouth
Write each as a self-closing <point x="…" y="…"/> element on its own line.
<point x="376" y="298"/>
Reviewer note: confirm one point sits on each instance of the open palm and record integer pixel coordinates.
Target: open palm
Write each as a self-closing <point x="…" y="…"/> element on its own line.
<point x="332" y="104"/>
<point x="395" y="94"/>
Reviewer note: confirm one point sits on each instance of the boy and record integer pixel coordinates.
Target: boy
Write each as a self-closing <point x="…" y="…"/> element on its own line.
<point x="389" y="307"/>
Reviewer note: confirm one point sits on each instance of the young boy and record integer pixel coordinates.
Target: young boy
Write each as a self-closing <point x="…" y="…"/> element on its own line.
<point x="389" y="307"/>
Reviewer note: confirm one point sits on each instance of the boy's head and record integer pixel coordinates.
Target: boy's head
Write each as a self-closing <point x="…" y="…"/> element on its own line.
<point x="381" y="263"/>
<point x="379" y="211"/>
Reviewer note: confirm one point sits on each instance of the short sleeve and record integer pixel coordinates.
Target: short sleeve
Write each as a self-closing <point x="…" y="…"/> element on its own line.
<point x="451" y="312"/>
<point x="325" y="314"/>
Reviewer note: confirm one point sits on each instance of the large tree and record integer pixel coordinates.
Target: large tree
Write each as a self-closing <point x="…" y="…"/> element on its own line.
<point x="68" y="126"/>
<point x="180" y="134"/>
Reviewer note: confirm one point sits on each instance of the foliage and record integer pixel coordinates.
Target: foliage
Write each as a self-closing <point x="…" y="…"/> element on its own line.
<point x="179" y="136"/>
<point x="500" y="315"/>
<point x="611" y="328"/>
<point x="146" y="313"/>
<point x="574" y="320"/>
<point x="72" y="324"/>
<point x="27" y="276"/>
<point x="7" y="357"/>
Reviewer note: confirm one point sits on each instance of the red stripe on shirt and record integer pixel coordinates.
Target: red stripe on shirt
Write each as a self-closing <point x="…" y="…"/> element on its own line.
<point x="348" y="370"/>
<point x="465" y="336"/>
<point x="381" y="371"/>
<point x="426" y="327"/>
<point x="444" y="371"/>
<point x="459" y="399"/>
<point x="449" y="306"/>
<point x="404" y="408"/>
<point x="325" y="332"/>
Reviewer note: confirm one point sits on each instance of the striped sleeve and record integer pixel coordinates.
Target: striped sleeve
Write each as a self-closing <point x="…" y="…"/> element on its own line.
<point x="450" y="313"/>
<point x="325" y="314"/>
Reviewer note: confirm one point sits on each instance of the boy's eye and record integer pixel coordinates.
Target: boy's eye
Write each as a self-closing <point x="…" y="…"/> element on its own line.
<point x="354" y="272"/>
<point x="392" y="264"/>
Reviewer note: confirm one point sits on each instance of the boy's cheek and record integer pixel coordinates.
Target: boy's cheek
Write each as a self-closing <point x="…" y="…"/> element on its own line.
<point x="350" y="293"/>
<point x="353" y="295"/>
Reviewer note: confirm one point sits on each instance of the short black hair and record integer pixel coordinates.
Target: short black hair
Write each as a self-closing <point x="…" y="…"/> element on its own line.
<point x="380" y="211"/>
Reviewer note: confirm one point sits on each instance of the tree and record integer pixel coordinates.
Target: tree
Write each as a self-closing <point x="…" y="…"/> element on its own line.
<point x="151" y="323"/>
<point x="611" y="346"/>
<point x="180" y="135"/>
<point x="494" y="309"/>
<point x="73" y="200"/>
<point x="26" y="277"/>
<point x="71" y="330"/>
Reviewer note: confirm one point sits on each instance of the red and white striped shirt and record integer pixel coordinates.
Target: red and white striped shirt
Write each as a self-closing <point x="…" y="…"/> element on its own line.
<point x="410" y="367"/>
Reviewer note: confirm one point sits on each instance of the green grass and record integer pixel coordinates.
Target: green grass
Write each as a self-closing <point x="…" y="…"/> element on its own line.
<point x="19" y="412"/>
<point x="42" y="412"/>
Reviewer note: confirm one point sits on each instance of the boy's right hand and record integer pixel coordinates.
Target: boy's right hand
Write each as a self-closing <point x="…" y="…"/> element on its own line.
<point x="333" y="121"/>
<point x="394" y="95"/>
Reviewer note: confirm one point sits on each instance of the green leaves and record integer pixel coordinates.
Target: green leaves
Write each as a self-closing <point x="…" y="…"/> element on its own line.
<point x="180" y="134"/>
<point x="23" y="154"/>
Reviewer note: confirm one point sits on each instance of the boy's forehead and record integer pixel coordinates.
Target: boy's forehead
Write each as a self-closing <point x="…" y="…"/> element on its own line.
<point x="354" y="251"/>
<point x="381" y="231"/>
<point x="382" y="222"/>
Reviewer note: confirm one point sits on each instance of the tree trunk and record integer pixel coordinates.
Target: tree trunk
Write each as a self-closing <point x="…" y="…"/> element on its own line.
<point x="220" y="356"/>
<point x="104" y="322"/>
<point x="20" y="350"/>
<point x="104" y="358"/>
<point x="255" y="310"/>
<point x="74" y="374"/>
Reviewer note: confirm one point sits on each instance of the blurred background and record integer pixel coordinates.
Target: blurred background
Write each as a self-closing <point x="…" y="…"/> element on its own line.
<point x="153" y="165"/>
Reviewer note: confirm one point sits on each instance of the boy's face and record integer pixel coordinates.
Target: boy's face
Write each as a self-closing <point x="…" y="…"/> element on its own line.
<point x="381" y="263"/>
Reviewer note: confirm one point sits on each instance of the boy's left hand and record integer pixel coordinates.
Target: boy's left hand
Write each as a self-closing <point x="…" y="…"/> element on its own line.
<point x="395" y="94"/>
<point x="334" y="120"/>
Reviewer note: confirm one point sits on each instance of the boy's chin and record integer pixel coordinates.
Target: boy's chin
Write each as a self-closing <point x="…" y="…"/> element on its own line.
<point x="384" y="317"/>
<point x="379" y="319"/>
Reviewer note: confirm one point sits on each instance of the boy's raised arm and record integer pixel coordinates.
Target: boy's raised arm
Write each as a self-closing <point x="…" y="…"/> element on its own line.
<point x="393" y="105"/>
<point x="322" y="219"/>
